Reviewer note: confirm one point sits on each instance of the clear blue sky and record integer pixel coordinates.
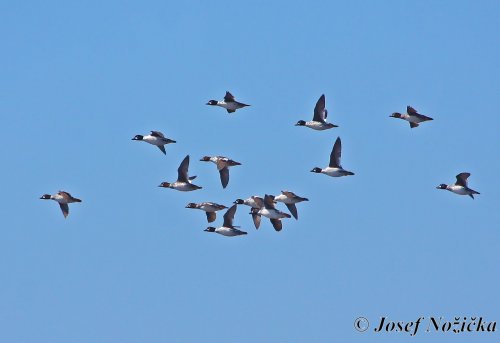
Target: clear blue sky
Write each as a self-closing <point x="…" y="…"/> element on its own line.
<point x="130" y="264"/>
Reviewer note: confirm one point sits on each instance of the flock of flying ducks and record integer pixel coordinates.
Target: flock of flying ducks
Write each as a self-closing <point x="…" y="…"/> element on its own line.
<point x="261" y="206"/>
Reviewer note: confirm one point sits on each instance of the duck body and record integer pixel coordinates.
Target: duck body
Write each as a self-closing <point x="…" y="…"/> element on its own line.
<point x="460" y="187"/>
<point x="290" y="199"/>
<point x="316" y="125"/>
<point x="273" y="213"/>
<point x="183" y="182"/>
<point x="253" y="201"/>
<point x="319" y="118"/>
<point x="229" y="103"/>
<point x="411" y="116"/>
<point x="63" y="199"/>
<point x="156" y="138"/>
<point x="227" y="229"/>
<point x="269" y="211"/>
<point x="209" y="207"/>
<point x="334" y="168"/>
<point x="223" y="164"/>
<point x="332" y="171"/>
<point x="180" y="186"/>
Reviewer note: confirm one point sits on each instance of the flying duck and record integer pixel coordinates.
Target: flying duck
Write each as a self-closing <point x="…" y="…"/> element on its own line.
<point x="227" y="228"/>
<point x="183" y="182"/>
<point x="254" y="202"/>
<point x="334" y="169"/>
<point x="229" y="103"/>
<point x="290" y="199"/>
<point x="223" y="164"/>
<point x="269" y="211"/>
<point x="320" y="114"/>
<point x="460" y="187"/>
<point x="209" y="207"/>
<point x="156" y="138"/>
<point x="412" y="116"/>
<point x="63" y="198"/>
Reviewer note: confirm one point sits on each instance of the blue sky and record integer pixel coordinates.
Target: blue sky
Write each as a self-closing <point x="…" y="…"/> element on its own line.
<point x="131" y="264"/>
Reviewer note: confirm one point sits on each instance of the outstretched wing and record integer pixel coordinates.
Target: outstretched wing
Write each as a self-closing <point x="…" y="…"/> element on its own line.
<point x="229" y="216"/>
<point x="211" y="216"/>
<point x="276" y="224"/>
<point x="157" y="134"/>
<point x="221" y="162"/>
<point x="411" y="111"/>
<point x="269" y="202"/>
<point x="293" y="210"/>
<point x="228" y="98"/>
<point x="288" y="194"/>
<point x="462" y="179"/>
<point x="256" y="218"/>
<point x="224" y="176"/>
<point x="182" y="171"/>
<point x="319" y="110"/>
<point x="162" y="149"/>
<point x="258" y="201"/>
<point x="65" y="195"/>
<point x="64" y="209"/>
<point x="336" y="153"/>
